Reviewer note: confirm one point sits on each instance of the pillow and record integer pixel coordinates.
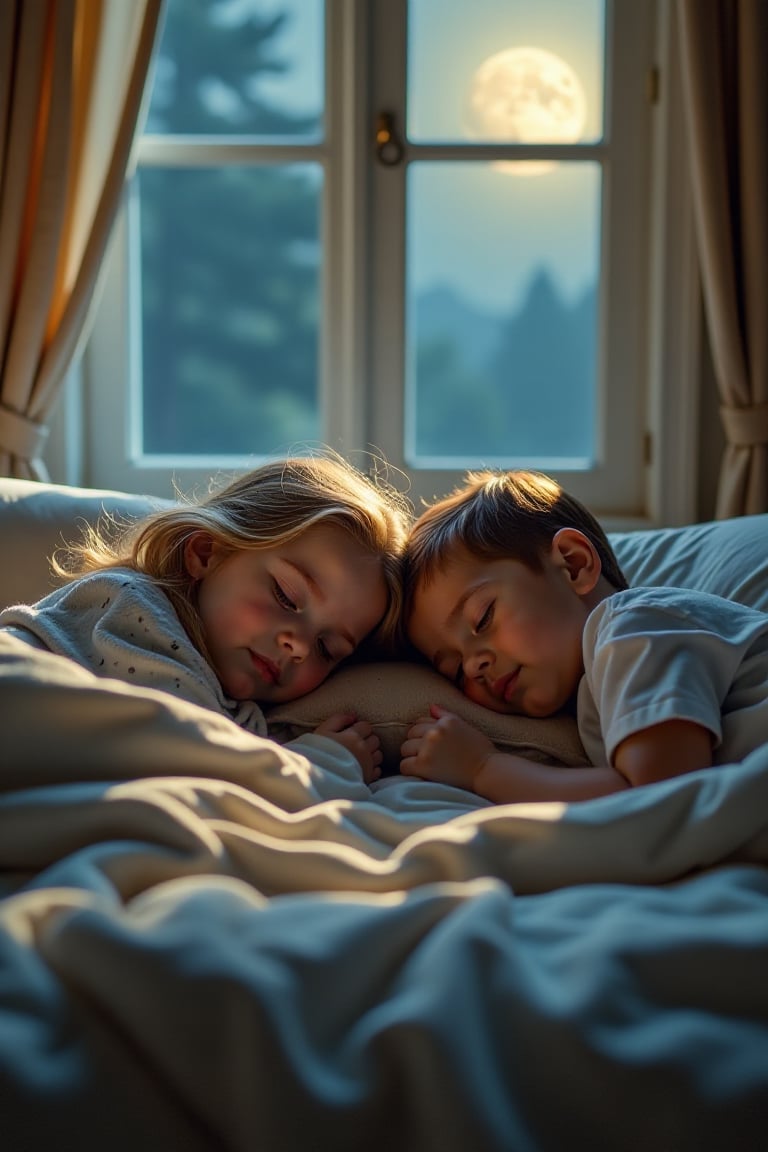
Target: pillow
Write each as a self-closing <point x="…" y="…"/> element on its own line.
<point x="37" y="518"/>
<point x="393" y="695"/>
<point x="726" y="557"/>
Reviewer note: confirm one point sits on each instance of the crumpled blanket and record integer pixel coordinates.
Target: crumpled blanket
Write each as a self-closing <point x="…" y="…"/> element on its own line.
<point x="208" y="941"/>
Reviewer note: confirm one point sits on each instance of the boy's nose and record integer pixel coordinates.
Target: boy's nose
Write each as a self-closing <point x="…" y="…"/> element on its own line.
<point x="477" y="663"/>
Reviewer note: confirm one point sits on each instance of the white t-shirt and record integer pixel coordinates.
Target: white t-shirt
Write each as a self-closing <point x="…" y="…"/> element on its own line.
<point x="656" y="654"/>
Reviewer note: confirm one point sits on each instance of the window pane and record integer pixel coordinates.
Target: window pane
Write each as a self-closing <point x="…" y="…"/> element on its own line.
<point x="230" y="299"/>
<point x="506" y="71"/>
<point x="502" y="272"/>
<point x="239" y="67"/>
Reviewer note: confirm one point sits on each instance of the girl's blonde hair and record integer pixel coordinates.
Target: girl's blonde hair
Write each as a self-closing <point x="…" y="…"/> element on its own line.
<point x="262" y="509"/>
<point x="501" y="515"/>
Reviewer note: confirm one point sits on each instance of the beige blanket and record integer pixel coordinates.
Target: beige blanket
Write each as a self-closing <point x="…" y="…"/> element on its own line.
<point x="208" y="941"/>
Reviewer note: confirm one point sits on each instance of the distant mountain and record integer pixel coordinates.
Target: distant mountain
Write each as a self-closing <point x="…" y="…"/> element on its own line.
<point x="441" y="314"/>
<point x="518" y="386"/>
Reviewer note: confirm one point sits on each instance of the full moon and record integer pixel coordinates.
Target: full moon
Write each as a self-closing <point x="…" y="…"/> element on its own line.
<point x="528" y="96"/>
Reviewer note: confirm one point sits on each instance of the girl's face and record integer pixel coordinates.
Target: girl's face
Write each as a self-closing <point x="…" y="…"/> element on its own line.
<point x="278" y="621"/>
<point x="509" y="637"/>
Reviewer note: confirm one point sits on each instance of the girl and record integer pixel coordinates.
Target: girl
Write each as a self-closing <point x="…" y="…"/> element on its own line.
<point x="250" y="596"/>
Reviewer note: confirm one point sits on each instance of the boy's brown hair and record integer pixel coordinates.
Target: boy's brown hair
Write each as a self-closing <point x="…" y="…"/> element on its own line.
<point x="501" y="515"/>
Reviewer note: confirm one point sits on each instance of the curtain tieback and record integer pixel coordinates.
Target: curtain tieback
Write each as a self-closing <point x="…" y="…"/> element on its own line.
<point x="21" y="436"/>
<point x="746" y="427"/>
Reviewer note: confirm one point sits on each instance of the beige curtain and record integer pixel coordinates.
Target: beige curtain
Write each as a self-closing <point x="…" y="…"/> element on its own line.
<point x="724" y="48"/>
<point x="72" y="79"/>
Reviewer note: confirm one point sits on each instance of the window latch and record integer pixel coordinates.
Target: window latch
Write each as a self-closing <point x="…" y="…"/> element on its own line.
<point x="389" y="146"/>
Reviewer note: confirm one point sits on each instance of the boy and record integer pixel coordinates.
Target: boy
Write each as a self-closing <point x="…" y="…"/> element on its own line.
<point x="514" y="593"/>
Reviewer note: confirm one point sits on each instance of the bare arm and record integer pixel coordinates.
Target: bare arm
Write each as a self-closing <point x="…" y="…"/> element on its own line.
<point x="664" y="750"/>
<point x="445" y="748"/>
<point x="508" y="779"/>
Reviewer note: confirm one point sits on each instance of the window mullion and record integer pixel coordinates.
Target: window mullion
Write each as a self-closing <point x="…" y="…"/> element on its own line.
<point x="206" y="151"/>
<point x="344" y="336"/>
<point x="387" y="416"/>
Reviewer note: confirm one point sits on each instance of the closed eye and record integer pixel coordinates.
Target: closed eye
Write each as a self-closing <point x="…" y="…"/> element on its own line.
<point x="485" y="619"/>
<point x="283" y="598"/>
<point x="325" y="652"/>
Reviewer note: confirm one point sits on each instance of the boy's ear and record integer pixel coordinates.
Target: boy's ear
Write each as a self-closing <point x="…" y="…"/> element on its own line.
<point x="200" y="555"/>
<point x="578" y="556"/>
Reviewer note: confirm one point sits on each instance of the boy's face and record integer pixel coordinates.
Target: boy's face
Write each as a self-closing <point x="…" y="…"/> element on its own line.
<point x="509" y="637"/>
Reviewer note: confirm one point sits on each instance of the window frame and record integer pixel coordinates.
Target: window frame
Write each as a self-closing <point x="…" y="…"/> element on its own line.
<point x="87" y="437"/>
<point x="115" y="339"/>
<point x="624" y="271"/>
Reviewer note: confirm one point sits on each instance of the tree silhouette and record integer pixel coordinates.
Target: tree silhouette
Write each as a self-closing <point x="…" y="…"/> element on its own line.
<point x="230" y="255"/>
<point x="453" y="415"/>
<point x="544" y="368"/>
<point x="508" y="389"/>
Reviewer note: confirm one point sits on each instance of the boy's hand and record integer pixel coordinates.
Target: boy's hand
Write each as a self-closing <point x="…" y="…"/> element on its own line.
<point x="445" y="748"/>
<point x="358" y="737"/>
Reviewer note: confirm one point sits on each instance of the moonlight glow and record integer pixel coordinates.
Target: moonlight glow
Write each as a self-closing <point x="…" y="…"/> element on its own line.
<point x="526" y="96"/>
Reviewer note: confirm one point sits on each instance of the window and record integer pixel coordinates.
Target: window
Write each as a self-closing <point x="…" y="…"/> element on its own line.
<point x="503" y="255"/>
<point x="419" y="225"/>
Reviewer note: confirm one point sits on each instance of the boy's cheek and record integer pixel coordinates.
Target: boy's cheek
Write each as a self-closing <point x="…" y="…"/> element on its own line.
<point x="476" y="693"/>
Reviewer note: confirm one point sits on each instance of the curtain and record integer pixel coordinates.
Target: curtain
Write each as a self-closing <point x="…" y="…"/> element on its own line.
<point x="724" y="58"/>
<point x="72" y="79"/>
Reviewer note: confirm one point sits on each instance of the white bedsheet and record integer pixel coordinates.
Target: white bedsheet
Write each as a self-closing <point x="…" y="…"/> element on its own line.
<point x="210" y="942"/>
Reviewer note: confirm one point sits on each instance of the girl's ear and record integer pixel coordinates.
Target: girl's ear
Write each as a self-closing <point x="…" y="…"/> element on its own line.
<point x="577" y="555"/>
<point x="200" y="555"/>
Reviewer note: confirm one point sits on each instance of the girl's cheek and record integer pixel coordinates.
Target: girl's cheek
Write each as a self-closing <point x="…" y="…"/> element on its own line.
<point x="311" y="675"/>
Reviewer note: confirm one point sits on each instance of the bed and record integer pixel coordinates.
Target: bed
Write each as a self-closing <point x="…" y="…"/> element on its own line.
<point x="209" y="941"/>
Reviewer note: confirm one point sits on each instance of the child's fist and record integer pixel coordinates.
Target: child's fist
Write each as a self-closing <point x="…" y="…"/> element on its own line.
<point x="359" y="738"/>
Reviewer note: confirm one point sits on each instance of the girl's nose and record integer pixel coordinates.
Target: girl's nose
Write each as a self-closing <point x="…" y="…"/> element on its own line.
<point x="295" y="644"/>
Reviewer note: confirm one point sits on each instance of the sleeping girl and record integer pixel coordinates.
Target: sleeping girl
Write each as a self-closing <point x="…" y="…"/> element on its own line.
<point x="250" y="596"/>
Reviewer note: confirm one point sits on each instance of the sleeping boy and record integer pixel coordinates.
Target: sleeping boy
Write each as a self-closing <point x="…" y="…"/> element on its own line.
<point x="515" y="594"/>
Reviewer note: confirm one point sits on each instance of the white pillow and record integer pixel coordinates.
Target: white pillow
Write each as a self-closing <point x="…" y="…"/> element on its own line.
<point x="36" y="519"/>
<point x="726" y="557"/>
